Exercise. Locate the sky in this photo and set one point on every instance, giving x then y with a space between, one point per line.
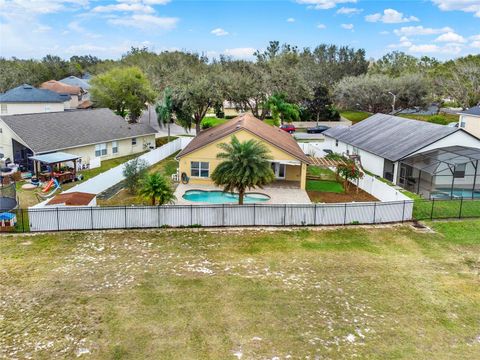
443 29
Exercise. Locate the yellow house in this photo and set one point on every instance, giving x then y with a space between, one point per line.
199 158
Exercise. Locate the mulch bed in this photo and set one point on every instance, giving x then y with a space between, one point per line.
349 196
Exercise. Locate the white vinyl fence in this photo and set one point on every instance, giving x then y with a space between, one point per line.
382 191
94 218
314 149
107 179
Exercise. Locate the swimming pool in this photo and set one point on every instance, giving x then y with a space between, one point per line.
220 197
445 193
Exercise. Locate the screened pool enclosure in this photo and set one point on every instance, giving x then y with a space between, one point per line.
444 173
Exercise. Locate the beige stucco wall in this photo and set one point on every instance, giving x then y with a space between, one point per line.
6 136
209 154
472 124
32 108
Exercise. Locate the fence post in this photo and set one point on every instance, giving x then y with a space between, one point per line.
374 211
58 221
91 215
158 217
254 214
191 215
285 215
125 218
23 222
345 215
460 210
315 214
431 211
403 211
223 214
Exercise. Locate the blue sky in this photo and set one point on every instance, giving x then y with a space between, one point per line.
107 28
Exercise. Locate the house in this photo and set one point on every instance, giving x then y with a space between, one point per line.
92 135
425 158
75 92
470 120
75 81
199 158
26 99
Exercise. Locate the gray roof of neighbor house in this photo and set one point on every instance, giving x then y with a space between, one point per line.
390 137
55 131
472 111
75 81
28 94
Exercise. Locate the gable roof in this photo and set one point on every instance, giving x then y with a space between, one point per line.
75 198
28 94
390 137
250 123
75 81
472 111
55 131
60 87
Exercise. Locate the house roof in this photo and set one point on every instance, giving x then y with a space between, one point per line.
390 137
28 94
472 111
75 81
74 198
248 122
60 87
46 132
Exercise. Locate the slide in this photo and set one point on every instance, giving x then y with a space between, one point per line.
42 197
48 186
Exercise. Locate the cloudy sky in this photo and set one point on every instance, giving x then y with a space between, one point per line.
107 28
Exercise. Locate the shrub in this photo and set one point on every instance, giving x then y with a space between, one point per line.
134 171
438 119
207 124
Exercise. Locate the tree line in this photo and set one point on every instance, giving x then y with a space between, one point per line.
282 81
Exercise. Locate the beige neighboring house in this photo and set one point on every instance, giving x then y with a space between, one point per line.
470 120
92 135
75 92
26 99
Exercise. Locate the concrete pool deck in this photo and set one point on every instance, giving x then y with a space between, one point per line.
278 195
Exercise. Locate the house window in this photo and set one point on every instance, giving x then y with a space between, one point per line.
100 150
459 172
134 141
336 142
199 169
4 110
114 147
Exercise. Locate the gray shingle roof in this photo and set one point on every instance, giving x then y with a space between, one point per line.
390 137
28 94
62 130
75 81
472 111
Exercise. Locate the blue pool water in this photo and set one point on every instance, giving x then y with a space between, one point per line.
220 197
457 193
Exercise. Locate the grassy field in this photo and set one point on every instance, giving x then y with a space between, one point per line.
324 186
355 116
384 293
218 121
448 118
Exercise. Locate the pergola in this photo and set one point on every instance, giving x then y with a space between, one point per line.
54 160
436 161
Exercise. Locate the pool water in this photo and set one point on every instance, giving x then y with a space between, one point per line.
220 197
457 193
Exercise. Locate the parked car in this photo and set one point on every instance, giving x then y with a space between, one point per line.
317 129
288 128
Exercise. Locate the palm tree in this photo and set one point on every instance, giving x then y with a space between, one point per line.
154 187
164 110
245 165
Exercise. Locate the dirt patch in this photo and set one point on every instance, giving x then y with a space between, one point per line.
348 196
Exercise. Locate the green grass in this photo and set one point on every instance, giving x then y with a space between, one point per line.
381 293
218 121
324 186
445 209
448 118
355 116
320 171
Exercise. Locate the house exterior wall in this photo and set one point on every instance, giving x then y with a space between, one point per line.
470 123
458 138
6 136
209 154
32 108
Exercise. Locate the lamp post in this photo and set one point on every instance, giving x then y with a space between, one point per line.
394 99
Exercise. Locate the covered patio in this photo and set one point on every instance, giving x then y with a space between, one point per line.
445 173
48 166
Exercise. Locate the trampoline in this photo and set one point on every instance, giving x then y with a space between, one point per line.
8 197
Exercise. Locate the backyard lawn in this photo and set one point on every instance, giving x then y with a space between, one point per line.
383 293
355 116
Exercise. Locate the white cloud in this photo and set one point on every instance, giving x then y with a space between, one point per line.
290 20
450 37
450 49
219 32
42 28
321 26
146 22
384 32
39 6
242 53
390 16
475 41
347 26
404 43
75 26
124 8
420 30
324 4
469 6
349 11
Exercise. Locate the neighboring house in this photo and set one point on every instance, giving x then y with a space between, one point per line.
199 158
84 84
429 159
75 92
470 120
26 99
90 134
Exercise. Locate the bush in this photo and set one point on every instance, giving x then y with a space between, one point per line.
207 124
438 119
134 171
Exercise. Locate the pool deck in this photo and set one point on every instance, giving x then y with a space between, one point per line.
278 195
